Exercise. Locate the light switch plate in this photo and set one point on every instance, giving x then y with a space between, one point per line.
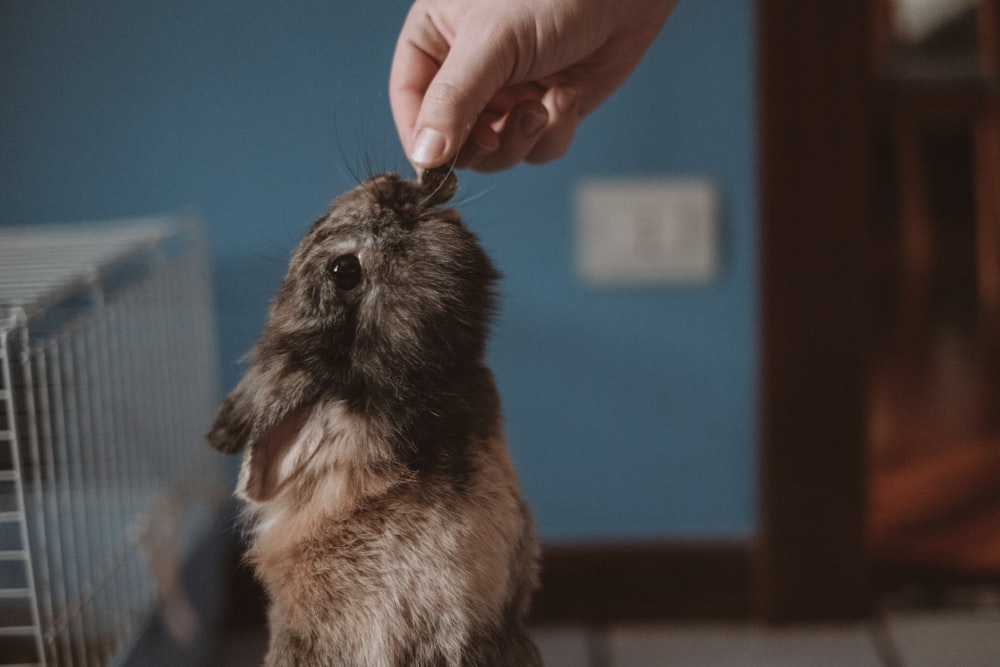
648 232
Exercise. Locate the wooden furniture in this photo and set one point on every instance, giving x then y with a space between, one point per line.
916 93
935 457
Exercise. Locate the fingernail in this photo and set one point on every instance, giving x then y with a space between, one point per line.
532 122
428 149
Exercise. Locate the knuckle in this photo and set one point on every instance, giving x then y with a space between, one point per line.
444 93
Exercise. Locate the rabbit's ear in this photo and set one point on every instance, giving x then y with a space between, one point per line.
264 397
235 421
262 417
277 456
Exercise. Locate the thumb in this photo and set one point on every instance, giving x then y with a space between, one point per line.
471 74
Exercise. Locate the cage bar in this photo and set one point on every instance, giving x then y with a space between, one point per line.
107 385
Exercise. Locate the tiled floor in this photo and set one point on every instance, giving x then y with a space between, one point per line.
968 638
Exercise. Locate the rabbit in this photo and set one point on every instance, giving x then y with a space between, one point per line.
386 522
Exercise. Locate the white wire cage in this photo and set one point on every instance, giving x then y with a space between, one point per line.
107 384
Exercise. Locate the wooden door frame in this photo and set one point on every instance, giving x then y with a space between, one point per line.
814 125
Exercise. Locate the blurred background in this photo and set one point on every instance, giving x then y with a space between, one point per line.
816 393
630 410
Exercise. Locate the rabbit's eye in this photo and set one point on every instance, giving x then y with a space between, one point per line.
346 271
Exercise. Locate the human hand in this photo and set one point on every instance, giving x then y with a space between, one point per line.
497 82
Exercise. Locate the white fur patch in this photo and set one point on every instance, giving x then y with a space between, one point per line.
326 452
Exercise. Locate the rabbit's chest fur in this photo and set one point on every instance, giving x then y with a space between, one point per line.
383 557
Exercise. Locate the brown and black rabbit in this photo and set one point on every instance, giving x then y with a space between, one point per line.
387 524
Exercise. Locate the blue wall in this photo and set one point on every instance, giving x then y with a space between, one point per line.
631 411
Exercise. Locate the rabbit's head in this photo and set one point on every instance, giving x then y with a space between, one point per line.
385 291
387 299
